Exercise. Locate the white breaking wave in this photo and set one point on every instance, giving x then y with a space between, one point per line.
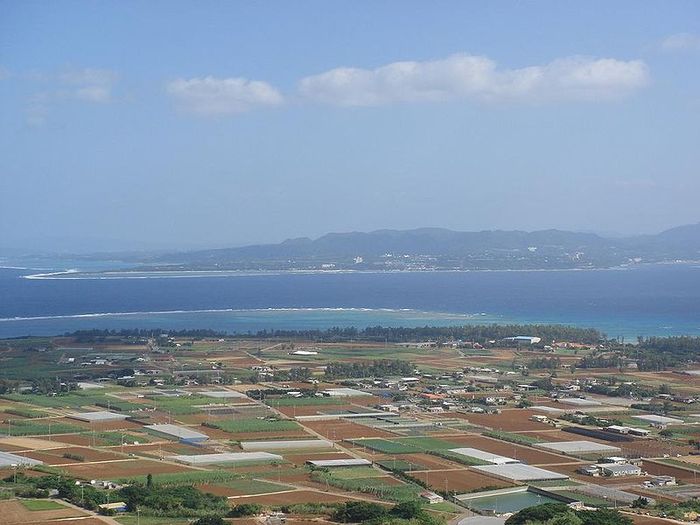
244 310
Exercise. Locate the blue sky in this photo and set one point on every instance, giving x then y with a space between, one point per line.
186 124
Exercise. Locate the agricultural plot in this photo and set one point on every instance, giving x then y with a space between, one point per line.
185 404
124 470
251 426
460 481
14 512
242 487
296 496
304 401
339 429
509 420
408 445
385 488
43 427
513 450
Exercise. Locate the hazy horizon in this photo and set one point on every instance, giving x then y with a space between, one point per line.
133 126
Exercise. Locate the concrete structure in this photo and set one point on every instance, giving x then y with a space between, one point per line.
344 392
548 410
286 445
97 417
519 472
653 419
227 457
431 497
117 506
481 455
589 470
524 339
331 463
7 460
181 433
578 447
661 481
616 470
576 401
223 394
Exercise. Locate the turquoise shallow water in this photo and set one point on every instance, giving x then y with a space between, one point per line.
652 300
509 502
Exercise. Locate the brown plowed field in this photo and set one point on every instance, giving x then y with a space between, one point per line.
509 420
459 480
658 469
123 469
75 439
339 429
55 456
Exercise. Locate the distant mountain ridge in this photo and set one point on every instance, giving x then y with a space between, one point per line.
438 248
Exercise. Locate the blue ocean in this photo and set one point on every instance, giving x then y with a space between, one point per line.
643 301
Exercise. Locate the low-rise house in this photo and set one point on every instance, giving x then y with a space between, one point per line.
431 497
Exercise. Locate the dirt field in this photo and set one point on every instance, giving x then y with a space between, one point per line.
658 469
653 449
55 456
10 444
122 469
339 429
75 439
460 480
526 454
14 513
510 420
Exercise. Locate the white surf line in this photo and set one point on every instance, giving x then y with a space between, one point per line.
442 315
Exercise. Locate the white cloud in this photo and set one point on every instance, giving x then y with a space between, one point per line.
681 42
476 77
210 96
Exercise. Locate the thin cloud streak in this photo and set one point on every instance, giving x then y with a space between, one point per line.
210 96
681 42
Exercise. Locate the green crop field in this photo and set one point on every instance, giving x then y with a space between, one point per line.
384 446
426 443
184 405
25 412
357 473
41 504
376 486
522 439
189 478
253 486
400 465
71 399
407 445
37 428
